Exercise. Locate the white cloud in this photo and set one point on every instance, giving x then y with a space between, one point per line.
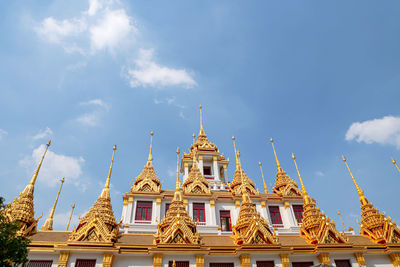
89 119
382 131
43 134
2 133
94 6
319 173
148 73
96 102
112 30
54 166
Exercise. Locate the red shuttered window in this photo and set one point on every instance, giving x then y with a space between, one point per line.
265 263
225 216
39 263
342 263
275 214
85 263
298 213
222 264
199 212
302 264
143 210
179 263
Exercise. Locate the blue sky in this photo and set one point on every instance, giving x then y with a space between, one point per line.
319 77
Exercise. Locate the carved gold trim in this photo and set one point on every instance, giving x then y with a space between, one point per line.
237 203
286 204
63 259
360 258
157 260
158 201
245 260
212 202
395 259
263 204
130 200
108 259
199 260
324 258
285 260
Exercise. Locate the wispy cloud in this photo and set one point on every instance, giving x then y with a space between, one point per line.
148 73
43 134
54 166
2 133
93 118
319 173
384 131
60 220
96 102
89 119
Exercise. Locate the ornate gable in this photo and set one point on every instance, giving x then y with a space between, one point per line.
147 181
196 183
98 224
177 227
22 208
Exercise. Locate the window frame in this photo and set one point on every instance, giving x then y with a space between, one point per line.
197 212
77 261
145 211
229 217
275 217
295 212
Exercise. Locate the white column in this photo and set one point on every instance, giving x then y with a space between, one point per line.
200 164
213 220
130 210
216 171
157 211
186 173
225 173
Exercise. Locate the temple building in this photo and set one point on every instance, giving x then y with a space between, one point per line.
210 218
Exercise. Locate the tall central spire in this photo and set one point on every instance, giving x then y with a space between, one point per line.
150 158
278 165
177 170
303 188
48 225
106 190
238 165
201 123
363 199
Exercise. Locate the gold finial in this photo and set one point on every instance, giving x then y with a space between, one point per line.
194 139
278 165
107 186
394 162
150 158
70 216
236 154
344 227
34 177
262 174
48 224
244 182
303 188
177 170
201 122
359 191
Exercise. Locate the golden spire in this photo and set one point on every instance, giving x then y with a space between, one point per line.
35 175
244 183
201 123
150 158
194 139
262 174
177 169
48 225
363 199
394 162
303 188
70 216
106 189
344 227
278 165
238 166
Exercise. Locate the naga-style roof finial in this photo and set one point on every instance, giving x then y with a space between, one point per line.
394 162
278 165
48 224
262 175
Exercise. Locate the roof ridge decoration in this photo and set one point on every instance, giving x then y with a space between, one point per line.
177 227
98 224
147 181
48 224
284 185
375 225
22 208
251 228
195 183
317 228
240 176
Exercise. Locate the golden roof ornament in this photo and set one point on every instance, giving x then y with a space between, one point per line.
22 208
395 164
202 143
177 227
262 175
317 228
239 176
284 185
195 183
375 225
147 181
70 216
251 228
48 224
98 224
341 219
